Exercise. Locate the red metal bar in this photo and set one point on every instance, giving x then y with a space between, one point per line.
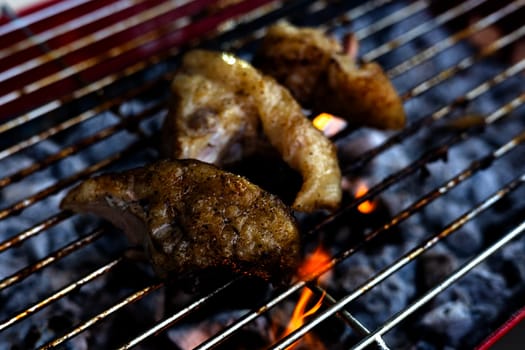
22 101
501 332
29 9
122 8
44 16
50 66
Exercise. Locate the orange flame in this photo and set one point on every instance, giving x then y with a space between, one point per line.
314 263
329 124
300 313
367 206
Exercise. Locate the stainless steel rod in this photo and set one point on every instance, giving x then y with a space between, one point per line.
392 268
472 263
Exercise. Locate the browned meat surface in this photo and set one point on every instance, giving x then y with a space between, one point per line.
192 216
321 76
223 109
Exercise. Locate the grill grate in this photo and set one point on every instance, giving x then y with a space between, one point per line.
62 75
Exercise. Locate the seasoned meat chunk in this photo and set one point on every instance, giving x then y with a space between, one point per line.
223 109
314 67
192 216
208 121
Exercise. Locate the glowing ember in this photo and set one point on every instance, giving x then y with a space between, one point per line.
329 124
367 206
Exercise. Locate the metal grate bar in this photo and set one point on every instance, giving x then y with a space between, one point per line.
84 143
104 106
410 256
411 129
465 63
438 152
345 18
492 120
82 92
455 38
162 38
504 40
159 327
392 18
60 294
250 317
247 318
43 14
475 261
102 34
33 231
421 29
425 200
347 317
17 207
33 140
129 300
65 28
358 11
94 87
230 40
180 37
220 337
51 258
419 89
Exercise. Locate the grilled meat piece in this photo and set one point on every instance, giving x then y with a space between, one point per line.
192 216
223 109
322 77
209 121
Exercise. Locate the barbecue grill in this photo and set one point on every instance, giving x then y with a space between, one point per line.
84 89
